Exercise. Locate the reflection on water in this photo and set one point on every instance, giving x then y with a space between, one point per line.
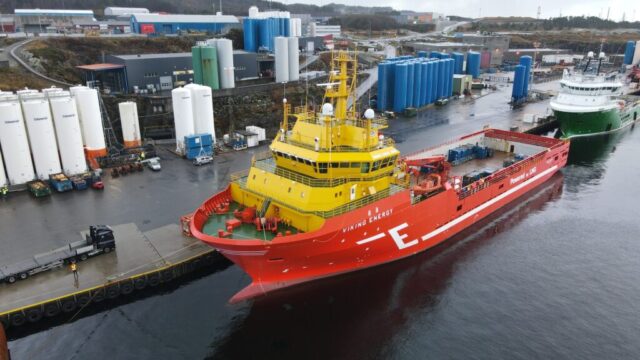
357 315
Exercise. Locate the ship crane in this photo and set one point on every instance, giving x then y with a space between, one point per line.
431 173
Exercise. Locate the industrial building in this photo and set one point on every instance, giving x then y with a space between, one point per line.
161 72
7 23
324 30
175 24
512 56
124 11
38 20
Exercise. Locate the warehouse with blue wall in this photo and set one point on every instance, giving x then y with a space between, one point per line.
173 24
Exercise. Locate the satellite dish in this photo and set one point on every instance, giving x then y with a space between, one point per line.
369 114
327 109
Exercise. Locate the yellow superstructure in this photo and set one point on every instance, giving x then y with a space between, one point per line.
325 163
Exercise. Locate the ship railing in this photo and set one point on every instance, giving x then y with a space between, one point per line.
239 175
270 166
387 142
352 119
499 176
353 205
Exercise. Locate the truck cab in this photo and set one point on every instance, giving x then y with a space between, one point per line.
102 237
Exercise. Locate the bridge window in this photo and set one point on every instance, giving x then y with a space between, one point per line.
322 168
355 165
344 165
376 165
365 167
335 165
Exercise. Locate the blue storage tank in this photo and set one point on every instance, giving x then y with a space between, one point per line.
518 82
410 84
444 55
422 54
431 81
391 76
424 96
263 33
458 59
382 86
417 84
452 64
426 78
526 62
400 87
473 64
281 27
434 55
287 27
248 26
629 51
439 78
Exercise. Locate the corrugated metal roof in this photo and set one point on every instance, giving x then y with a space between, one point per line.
99 67
52 12
161 18
152 56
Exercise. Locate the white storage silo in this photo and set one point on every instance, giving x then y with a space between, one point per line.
130 124
225 61
254 12
50 90
282 59
14 142
202 109
636 54
68 133
90 120
182 115
294 59
3 175
42 137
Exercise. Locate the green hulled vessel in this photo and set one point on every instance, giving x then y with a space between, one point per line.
591 103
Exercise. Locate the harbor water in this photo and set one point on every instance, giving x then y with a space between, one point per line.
553 275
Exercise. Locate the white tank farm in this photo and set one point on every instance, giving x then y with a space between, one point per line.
130 124
294 59
282 59
42 137
68 133
182 116
225 63
3 175
88 106
14 142
202 109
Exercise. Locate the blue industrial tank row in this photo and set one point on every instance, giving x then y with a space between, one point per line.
413 82
518 83
473 64
259 33
422 54
526 62
629 51
458 64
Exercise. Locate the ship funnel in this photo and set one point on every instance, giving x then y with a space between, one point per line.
369 114
601 55
327 109
590 54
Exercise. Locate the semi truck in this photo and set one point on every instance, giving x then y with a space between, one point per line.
99 240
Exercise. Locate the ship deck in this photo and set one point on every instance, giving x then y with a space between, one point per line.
217 222
494 163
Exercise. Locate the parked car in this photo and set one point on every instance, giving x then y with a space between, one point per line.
154 165
201 160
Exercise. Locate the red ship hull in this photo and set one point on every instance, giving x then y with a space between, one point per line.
381 232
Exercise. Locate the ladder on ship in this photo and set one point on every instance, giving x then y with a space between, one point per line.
264 207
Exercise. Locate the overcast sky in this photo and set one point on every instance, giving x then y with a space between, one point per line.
475 8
